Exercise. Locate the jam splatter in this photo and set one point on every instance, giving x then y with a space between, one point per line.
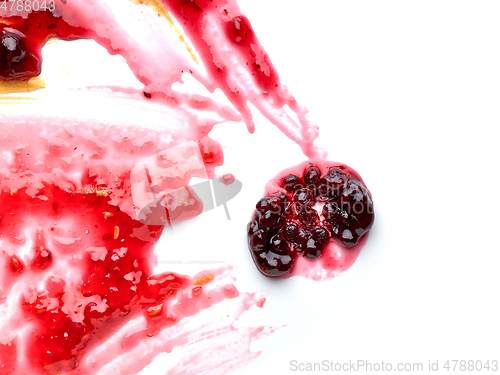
76 263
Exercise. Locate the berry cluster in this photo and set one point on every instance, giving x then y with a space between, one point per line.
286 224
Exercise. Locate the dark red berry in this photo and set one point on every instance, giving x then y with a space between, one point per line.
292 210
357 200
349 215
291 232
338 180
16 60
273 203
316 243
348 237
312 176
308 216
278 245
304 237
274 265
343 215
270 220
330 212
281 202
334 229
311 251
304 197
292 183
263 204
332 184
258 240
321 236
252 227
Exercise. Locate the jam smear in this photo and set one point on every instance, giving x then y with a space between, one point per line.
117 279
72 247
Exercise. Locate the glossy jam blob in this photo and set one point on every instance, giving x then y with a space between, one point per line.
287 225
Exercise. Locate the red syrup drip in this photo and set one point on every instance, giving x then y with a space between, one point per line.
235 31
238 31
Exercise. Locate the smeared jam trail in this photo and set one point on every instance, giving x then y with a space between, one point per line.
233 59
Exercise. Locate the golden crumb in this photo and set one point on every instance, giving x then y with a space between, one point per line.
116 232
154 310
32 84
203 280
97 190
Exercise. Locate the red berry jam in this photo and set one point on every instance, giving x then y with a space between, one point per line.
286 225
77 263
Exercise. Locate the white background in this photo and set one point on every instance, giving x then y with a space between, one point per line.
407 94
